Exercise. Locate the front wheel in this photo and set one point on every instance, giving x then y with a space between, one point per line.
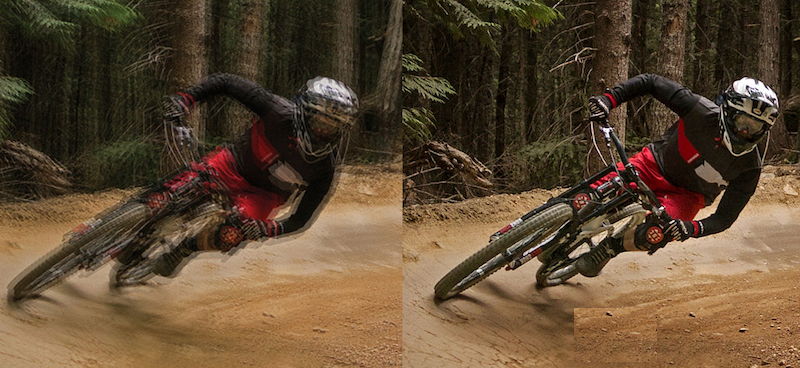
501 251
68 258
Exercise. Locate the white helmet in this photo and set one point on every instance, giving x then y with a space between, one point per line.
326 109
749 109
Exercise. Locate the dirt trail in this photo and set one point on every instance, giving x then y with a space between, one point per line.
329 297
682 307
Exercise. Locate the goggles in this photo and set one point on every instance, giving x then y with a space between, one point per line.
747 127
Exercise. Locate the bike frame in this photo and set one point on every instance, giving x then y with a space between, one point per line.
186 196
591 204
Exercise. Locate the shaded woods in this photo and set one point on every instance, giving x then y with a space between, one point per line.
83 81
521 77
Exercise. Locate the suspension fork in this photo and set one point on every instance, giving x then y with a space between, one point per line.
567 230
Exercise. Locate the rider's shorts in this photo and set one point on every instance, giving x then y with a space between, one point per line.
252 202
680 203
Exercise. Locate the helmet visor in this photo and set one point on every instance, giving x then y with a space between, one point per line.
748 128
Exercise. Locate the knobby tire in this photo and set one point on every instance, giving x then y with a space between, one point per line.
544 224
559 268
128 216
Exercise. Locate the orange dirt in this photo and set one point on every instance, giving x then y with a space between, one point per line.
682 307
329 297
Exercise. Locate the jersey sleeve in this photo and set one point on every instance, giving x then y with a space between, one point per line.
250 94
675 96
731 205
314 198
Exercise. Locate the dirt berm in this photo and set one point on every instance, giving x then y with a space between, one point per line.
329 297
726 300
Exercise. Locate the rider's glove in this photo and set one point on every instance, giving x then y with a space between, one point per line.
679 230
175 107
184 135
256 229
599 107
228 237
654 234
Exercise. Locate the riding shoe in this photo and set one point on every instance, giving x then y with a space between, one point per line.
166 264
591 263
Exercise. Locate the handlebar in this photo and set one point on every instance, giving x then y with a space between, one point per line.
630 174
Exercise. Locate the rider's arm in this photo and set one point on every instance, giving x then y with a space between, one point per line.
310 204
675 96
253 96
732 203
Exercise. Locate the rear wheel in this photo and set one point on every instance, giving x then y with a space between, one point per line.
67 258
560 265
501 251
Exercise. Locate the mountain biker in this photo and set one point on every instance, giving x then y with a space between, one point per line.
289 151
711 148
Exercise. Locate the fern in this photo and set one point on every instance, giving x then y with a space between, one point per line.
411 63
417 124
56 20
12 91
460 15
59 20
433 89
468 17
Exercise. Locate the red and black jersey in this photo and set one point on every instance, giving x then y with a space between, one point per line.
690 153
266 154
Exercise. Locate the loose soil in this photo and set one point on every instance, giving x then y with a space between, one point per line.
726 300
328 297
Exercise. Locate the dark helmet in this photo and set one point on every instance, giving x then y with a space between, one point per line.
749 109
326 109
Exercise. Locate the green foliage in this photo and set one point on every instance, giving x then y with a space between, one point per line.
545 164
52 19
418 122
411 63
482 17
121 164
60 19
433 89
12 91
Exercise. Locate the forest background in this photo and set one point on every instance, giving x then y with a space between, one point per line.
506 82
82 81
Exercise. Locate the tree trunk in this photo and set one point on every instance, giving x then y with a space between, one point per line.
612 41
188 62
670 58
345 54
502 92
531 85
640 56
768 71
768 68
786 49
703 68
389 97
246 63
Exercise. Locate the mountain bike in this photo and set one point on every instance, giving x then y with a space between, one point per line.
564 228
136 230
